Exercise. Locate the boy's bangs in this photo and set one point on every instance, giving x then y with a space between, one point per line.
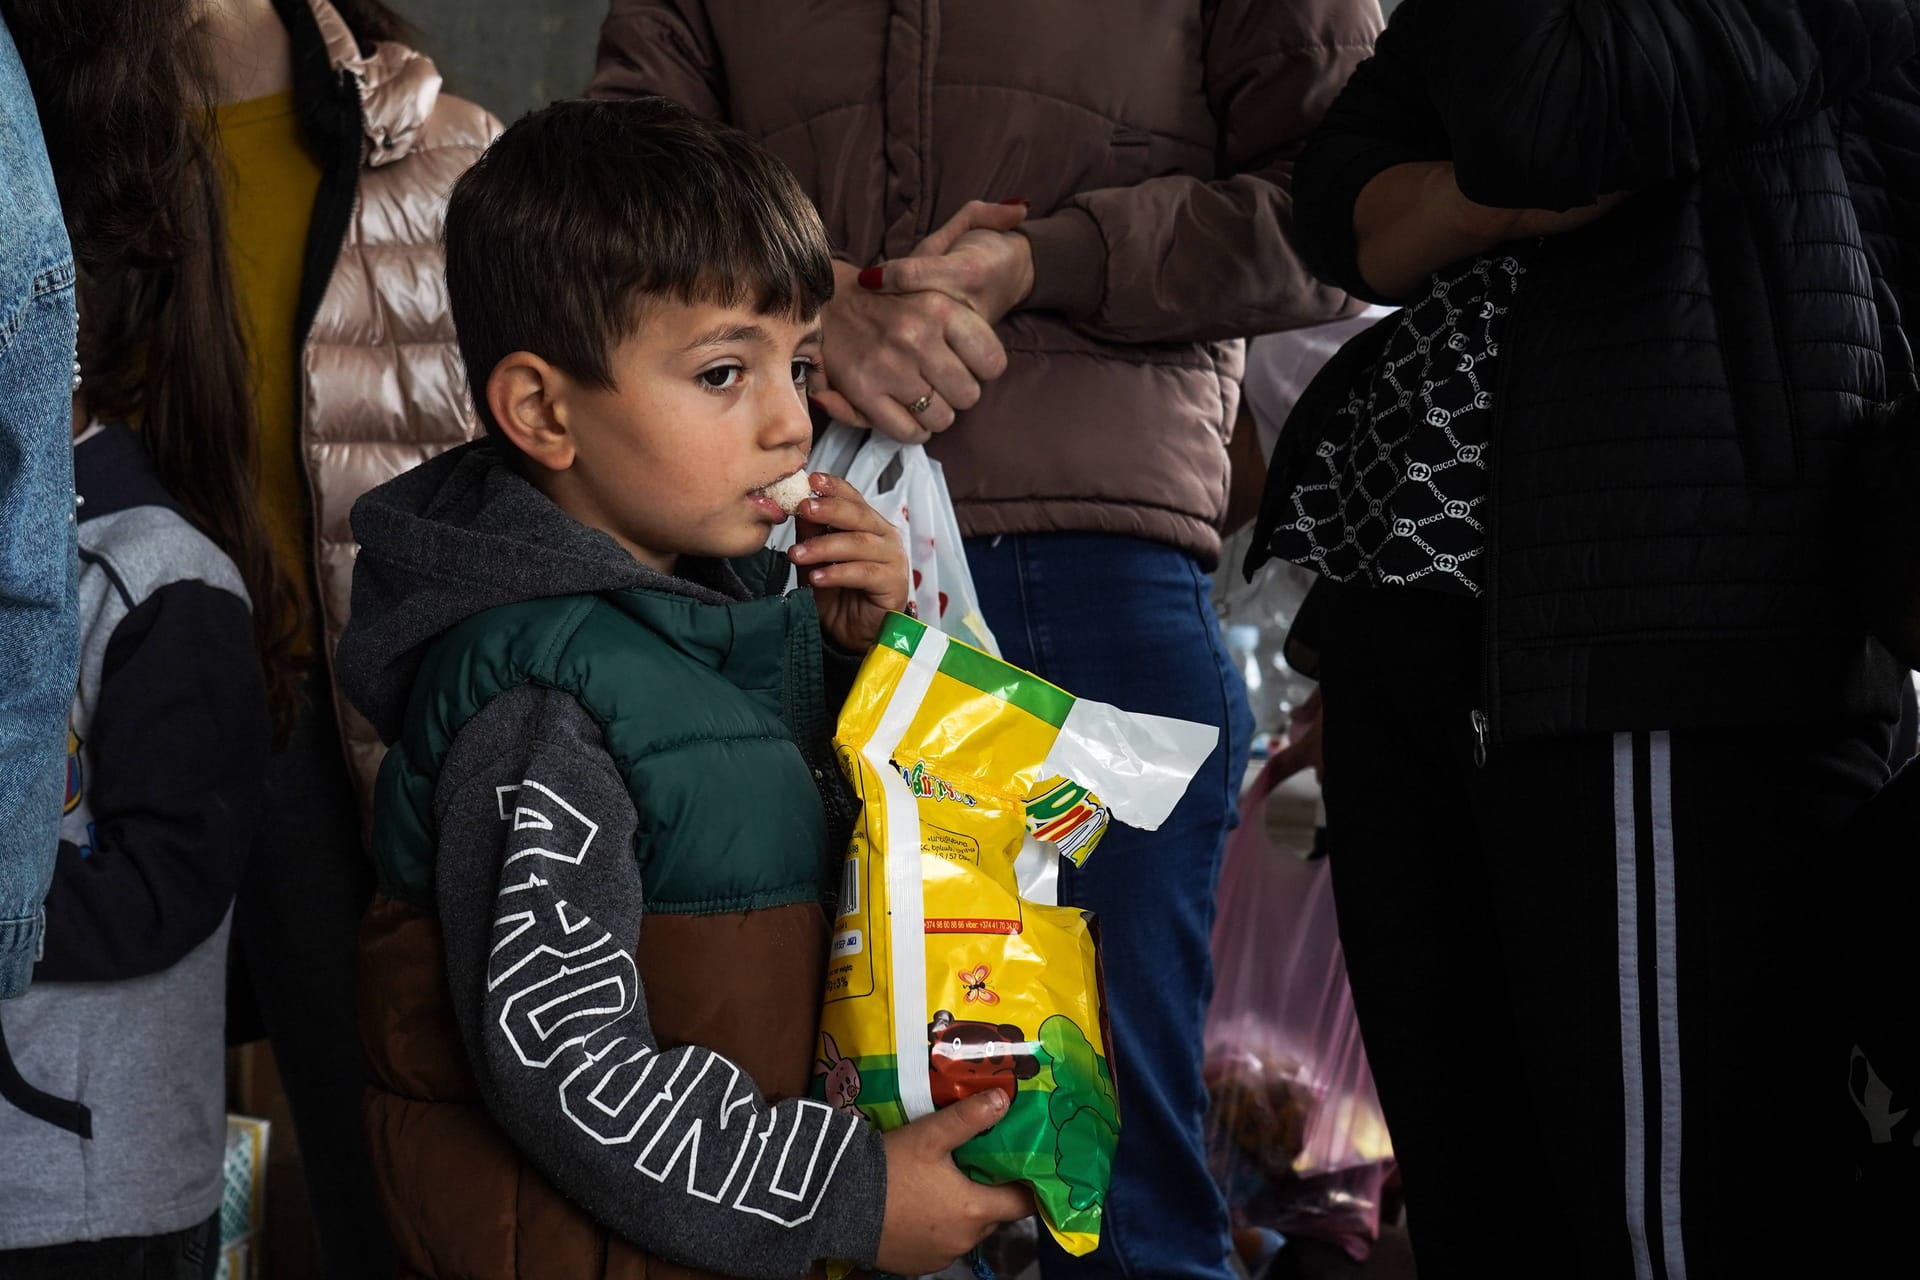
735 249
771 256
762 288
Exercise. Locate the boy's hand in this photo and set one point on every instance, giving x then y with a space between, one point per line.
852 558
935 1213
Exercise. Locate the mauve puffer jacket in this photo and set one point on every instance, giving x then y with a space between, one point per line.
1155 140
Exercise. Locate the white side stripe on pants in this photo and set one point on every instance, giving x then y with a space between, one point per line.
1627 905
1666 979
1666 1020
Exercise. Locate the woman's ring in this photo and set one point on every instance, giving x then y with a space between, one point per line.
921 405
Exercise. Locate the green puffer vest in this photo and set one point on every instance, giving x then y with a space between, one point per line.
715 716
703 707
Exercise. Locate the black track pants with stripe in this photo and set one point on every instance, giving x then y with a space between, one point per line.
1596 976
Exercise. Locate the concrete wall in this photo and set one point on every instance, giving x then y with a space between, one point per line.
513 55
509 55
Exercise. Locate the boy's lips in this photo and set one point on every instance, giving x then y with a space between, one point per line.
783 496
784 475
767 508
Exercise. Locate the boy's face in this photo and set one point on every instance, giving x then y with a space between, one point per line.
708 406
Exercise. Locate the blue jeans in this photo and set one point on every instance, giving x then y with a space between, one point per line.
1131 623
39 630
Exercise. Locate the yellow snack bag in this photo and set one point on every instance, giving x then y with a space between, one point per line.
954 970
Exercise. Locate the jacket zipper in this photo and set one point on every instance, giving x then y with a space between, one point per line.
1481 717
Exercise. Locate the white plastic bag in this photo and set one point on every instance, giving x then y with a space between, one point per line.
907 487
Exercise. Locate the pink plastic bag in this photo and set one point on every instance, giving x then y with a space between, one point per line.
1295 1135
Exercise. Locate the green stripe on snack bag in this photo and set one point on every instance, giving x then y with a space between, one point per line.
901 634
1008 683
879 1080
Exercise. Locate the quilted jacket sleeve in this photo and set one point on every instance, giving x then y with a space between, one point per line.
1551 104
663 47
538 892
1878 131
1181 259
1382 118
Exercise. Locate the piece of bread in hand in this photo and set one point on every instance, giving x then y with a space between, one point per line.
791 491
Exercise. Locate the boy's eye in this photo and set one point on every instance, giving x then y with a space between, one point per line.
802 369
722 377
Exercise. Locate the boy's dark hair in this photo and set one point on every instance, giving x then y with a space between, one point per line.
582 211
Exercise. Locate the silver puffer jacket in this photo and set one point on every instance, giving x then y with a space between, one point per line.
381 384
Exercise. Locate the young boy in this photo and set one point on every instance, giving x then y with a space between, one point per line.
166 744
607 724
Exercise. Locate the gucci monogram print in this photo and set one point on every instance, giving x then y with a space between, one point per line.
1393 494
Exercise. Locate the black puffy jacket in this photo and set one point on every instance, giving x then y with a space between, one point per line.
1684 385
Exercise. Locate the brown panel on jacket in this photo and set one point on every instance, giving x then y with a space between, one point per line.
461 1201
746 985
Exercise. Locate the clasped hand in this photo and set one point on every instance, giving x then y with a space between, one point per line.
908 343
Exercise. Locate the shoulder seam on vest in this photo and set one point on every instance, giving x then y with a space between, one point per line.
564 633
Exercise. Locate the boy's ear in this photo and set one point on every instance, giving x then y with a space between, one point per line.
524 394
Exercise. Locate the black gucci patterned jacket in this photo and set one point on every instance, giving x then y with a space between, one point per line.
1687 382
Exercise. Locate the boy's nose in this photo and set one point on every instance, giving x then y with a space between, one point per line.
787 421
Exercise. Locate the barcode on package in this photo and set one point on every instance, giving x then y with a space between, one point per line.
850 887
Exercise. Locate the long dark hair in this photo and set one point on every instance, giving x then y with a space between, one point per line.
124 104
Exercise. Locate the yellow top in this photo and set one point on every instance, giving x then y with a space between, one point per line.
271 181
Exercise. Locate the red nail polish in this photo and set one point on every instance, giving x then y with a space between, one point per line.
873 277
1017 200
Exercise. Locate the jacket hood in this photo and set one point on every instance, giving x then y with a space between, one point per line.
462 534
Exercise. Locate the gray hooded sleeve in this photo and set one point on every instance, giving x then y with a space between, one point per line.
540 900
